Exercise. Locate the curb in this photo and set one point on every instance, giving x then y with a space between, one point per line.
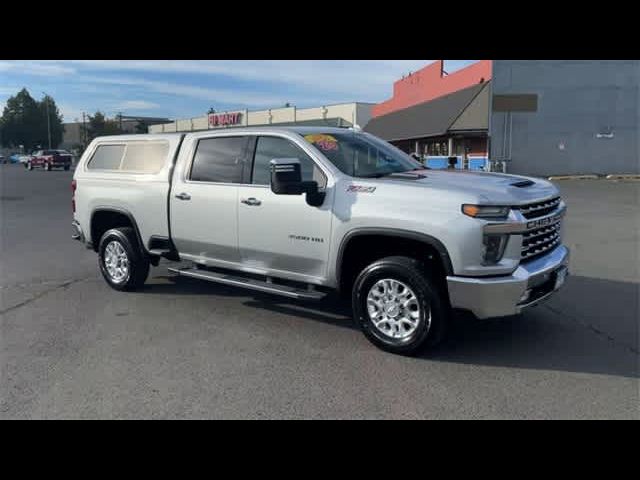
573 177
623 177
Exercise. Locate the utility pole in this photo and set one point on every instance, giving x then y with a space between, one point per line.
46 99
84 132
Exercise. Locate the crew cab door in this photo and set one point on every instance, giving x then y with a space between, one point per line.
204 200
281 234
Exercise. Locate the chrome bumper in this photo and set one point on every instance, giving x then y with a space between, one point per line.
507 295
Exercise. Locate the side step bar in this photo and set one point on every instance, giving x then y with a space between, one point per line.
250 283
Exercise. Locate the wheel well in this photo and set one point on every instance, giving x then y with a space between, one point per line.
104 220
362 250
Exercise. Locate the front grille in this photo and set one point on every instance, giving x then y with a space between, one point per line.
539 209
539 241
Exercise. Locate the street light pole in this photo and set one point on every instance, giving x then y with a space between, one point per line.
46 98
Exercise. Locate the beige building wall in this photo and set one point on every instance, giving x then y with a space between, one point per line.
353 113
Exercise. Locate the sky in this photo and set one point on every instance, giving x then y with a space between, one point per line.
189 88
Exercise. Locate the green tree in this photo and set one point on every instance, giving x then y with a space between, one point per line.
99 126
24 122
20 121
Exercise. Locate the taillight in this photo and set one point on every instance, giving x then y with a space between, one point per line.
73 195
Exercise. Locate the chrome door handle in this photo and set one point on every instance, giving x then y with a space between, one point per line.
252 202
183 196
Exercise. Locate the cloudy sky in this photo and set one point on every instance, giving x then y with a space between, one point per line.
186 88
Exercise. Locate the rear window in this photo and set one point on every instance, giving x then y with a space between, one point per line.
135 157
106 157
145 157
219 160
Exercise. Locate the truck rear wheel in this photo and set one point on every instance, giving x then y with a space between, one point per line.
122 264
398 306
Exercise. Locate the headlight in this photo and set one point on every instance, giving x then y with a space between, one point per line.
485 211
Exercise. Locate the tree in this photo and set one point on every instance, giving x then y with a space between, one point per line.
24 122
99 126
20 121
47 106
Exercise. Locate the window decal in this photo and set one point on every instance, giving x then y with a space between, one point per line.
322 141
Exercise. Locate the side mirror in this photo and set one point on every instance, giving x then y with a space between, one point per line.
286 176
286 179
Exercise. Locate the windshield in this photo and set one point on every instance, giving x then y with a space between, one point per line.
361 154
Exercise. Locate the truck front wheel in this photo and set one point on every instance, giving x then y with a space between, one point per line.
398 306
122 264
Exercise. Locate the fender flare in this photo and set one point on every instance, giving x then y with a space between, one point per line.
393 232
126 213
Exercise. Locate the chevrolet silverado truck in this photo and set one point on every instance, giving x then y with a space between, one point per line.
49 159
304 211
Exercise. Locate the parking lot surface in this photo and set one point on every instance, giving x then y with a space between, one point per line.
70 347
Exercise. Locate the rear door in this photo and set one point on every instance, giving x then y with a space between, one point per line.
204 200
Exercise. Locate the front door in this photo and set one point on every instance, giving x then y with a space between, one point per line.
282 234
204 202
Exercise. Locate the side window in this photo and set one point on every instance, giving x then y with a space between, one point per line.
219 160
145 157
106 157
268 148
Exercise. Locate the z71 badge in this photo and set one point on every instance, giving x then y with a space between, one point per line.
360 189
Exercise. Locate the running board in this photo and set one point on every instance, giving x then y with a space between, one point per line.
160 252
252 284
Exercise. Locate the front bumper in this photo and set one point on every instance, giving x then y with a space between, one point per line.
505 295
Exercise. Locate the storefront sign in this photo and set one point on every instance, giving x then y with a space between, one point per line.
222 119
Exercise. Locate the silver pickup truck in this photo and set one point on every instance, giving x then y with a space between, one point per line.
301 212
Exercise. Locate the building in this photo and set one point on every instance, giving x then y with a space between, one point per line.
74 132
434 113
566 116
345 114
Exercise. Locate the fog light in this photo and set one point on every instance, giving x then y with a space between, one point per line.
494 248
525 296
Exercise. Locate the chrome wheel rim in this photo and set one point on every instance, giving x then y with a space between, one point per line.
116 261
394 309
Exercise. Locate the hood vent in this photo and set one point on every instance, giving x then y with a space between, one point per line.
522 184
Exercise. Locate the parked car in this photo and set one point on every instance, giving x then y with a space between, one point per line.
301 212
15 158
24 159
49 159
3 159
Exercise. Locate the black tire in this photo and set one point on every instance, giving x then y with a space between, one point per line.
47 167
29 166
429 296
66 168
138 263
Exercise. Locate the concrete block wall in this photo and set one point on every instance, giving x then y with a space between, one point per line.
588 118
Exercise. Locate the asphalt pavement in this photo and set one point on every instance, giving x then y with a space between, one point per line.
71 347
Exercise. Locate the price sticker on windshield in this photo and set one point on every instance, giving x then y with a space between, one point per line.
322 141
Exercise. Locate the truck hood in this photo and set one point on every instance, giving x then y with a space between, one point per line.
490 188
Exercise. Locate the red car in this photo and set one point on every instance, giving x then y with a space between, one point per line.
49 159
